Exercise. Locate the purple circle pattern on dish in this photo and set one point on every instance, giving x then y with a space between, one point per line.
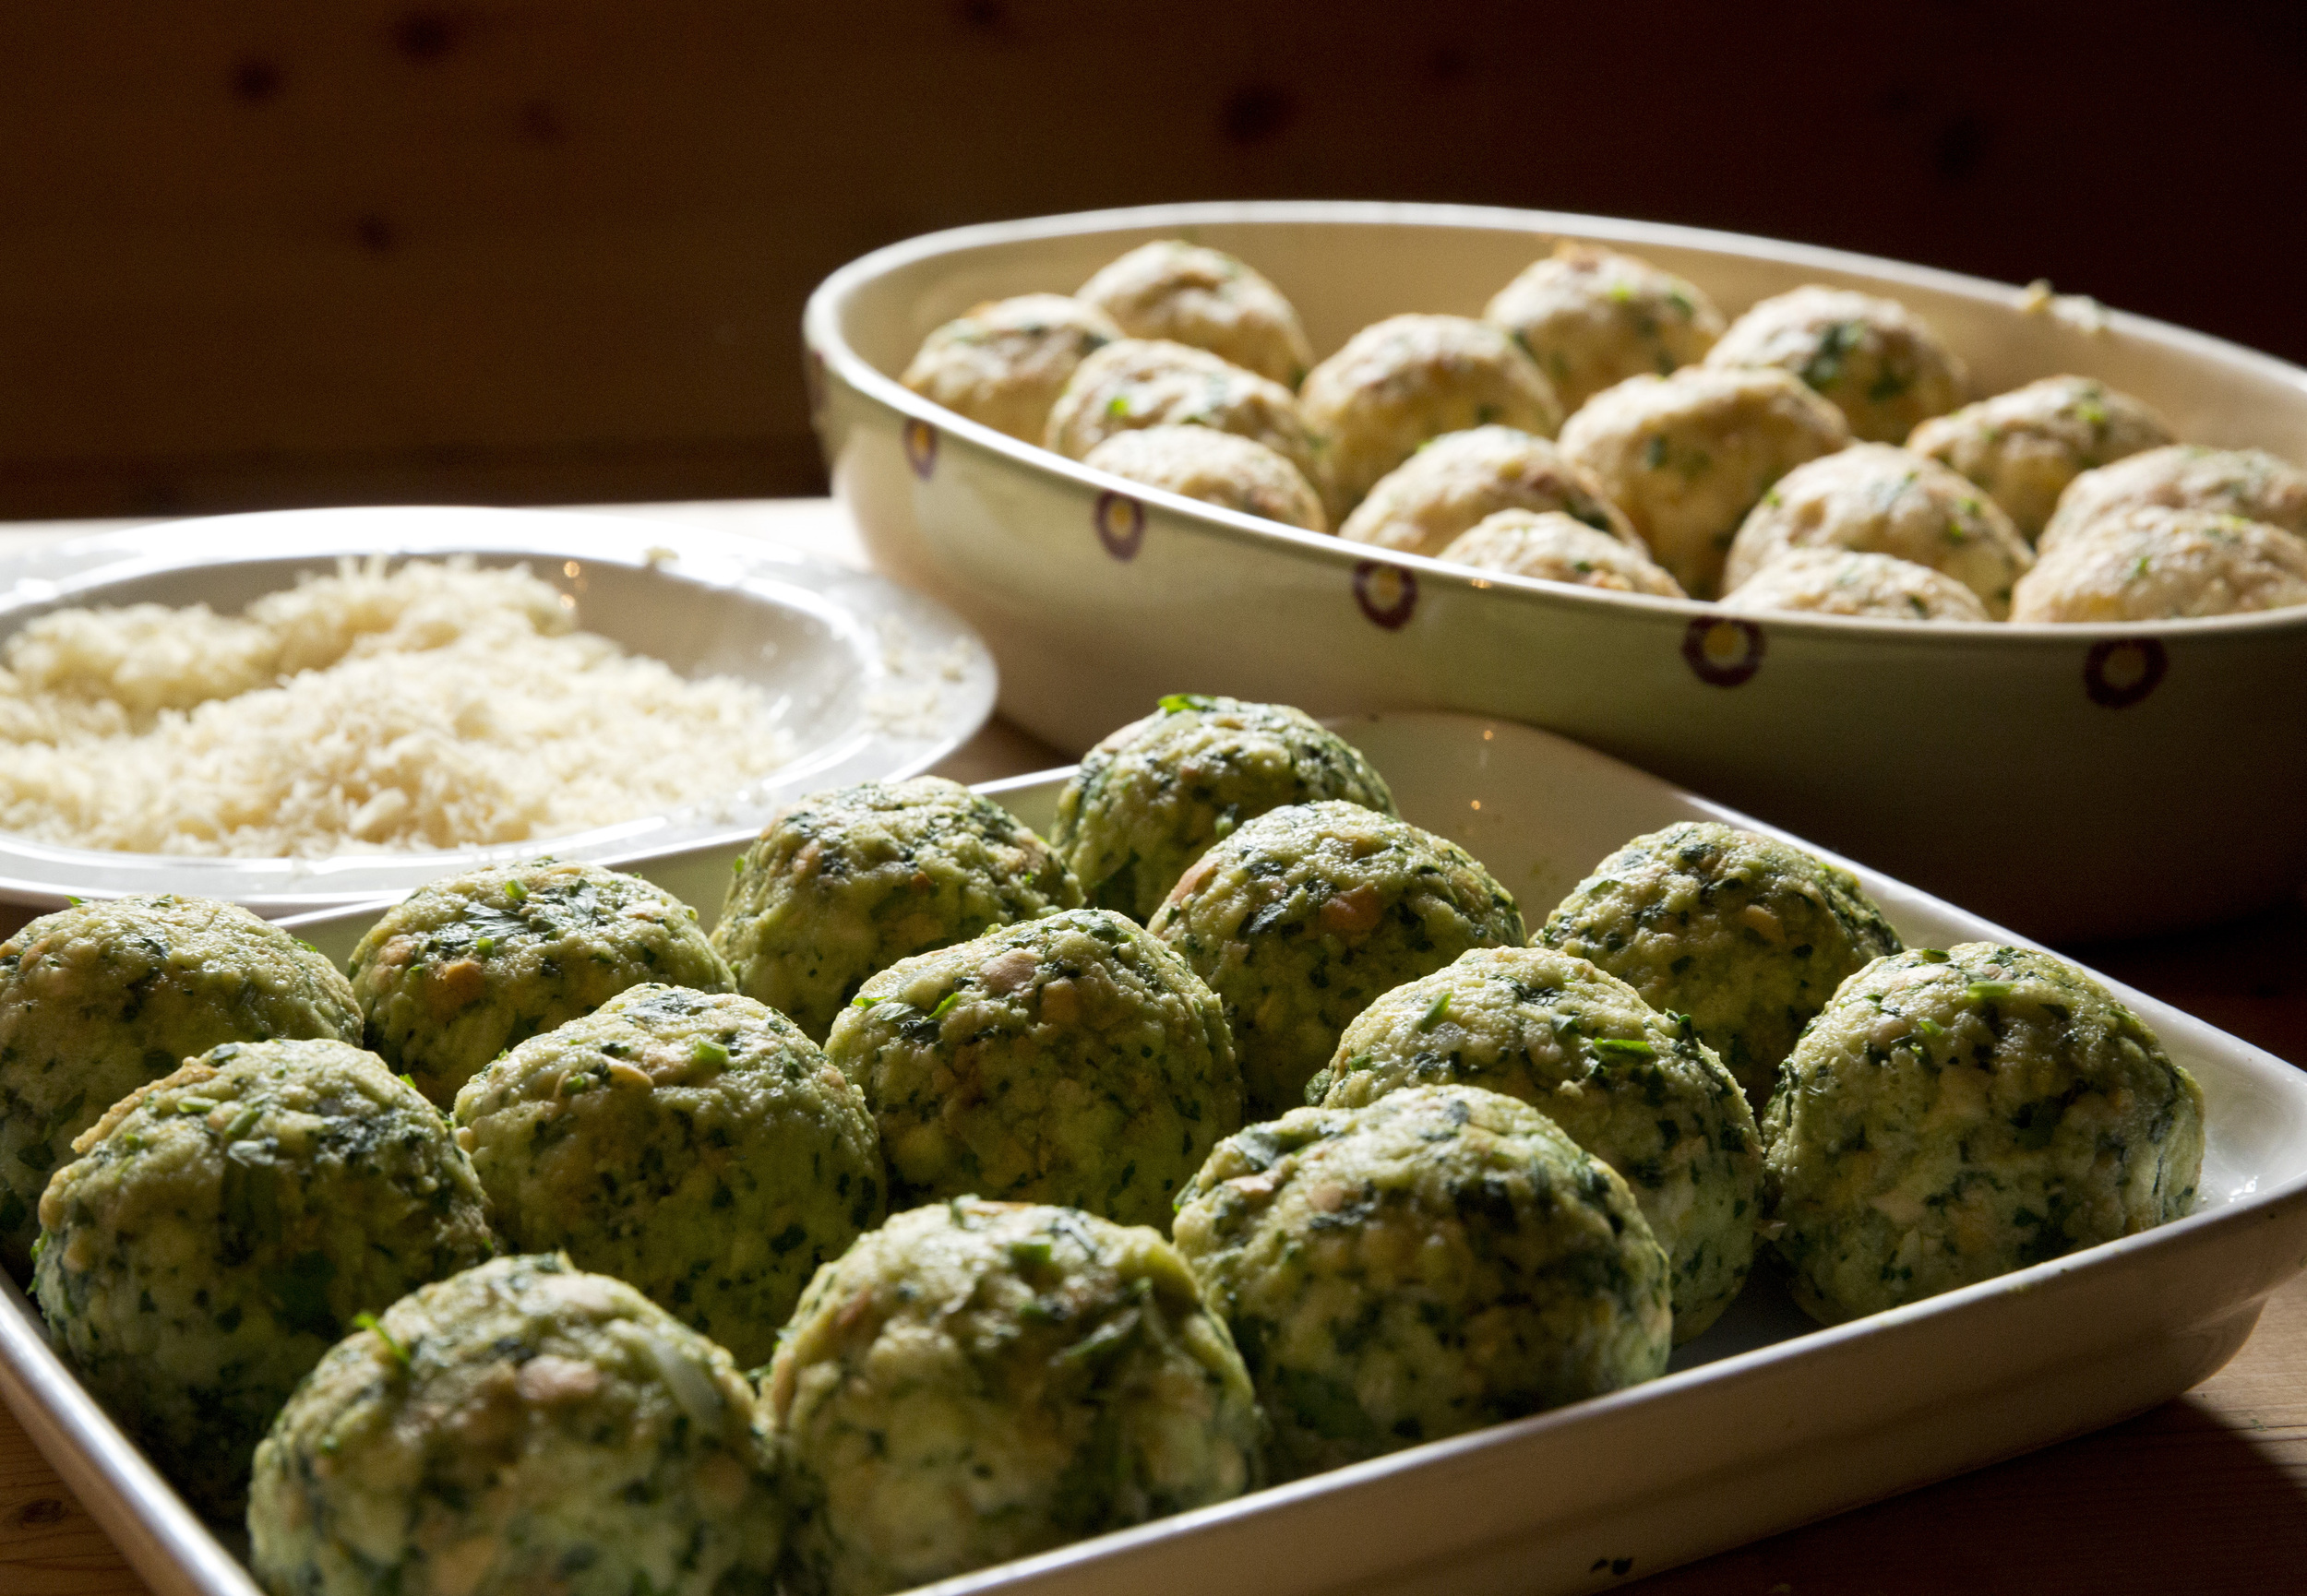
921 448
1386 593
2119 672
1121 522
1722 650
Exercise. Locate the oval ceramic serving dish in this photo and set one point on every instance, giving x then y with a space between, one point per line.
2073 780
1763 1421
868 680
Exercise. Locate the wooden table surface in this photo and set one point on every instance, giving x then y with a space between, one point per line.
2207 1492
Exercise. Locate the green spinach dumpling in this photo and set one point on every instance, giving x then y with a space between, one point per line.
695 1145
98 999
1151 798
1746 935
1637 1091
225 1225
980 1381
522 1428
1441 1259
460 969
1954 1116
1305 916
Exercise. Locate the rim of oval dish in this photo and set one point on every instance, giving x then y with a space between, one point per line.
935 675
822 334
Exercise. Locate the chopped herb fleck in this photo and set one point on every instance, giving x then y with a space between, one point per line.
1824 368
370 1323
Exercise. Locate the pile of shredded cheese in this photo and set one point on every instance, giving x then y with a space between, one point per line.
432 705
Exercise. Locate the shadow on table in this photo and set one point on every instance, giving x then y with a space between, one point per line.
2168 1503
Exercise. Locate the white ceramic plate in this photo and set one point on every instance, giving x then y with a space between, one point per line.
2074 780
868 680
1765 1422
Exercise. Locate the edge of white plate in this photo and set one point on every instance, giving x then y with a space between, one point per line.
854 603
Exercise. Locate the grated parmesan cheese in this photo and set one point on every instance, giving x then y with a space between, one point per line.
433 706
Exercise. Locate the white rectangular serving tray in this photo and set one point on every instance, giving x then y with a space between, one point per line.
1763 1422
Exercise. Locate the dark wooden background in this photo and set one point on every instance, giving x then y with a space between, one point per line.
275 253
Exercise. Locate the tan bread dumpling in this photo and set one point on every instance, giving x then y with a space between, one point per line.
1206 298
2247 483
1591 317
1885 501
1005 363
1687 455
2153 564
1143 383
1852 582
1412 377
2023 448
1217 468
1456 480
1555 548
1881 364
